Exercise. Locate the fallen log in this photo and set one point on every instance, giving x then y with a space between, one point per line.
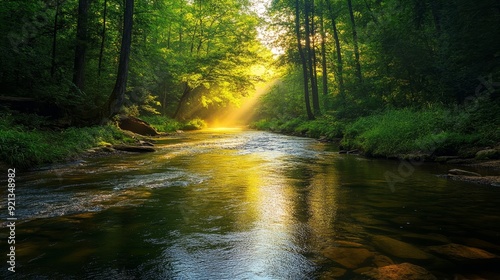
134 149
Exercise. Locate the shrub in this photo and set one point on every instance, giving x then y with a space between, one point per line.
23 147
162 123
194 124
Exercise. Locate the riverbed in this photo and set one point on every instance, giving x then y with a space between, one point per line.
242 204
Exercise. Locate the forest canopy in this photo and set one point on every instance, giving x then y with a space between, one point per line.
192 58
187 57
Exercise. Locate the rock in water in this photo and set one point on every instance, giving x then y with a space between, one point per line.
460 252
405 271
399 249
348 257
461 172
136 125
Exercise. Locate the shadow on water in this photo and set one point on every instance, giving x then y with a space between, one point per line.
238 204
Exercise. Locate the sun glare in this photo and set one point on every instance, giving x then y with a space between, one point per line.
243 115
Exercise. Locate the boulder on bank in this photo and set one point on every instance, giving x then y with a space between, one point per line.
488 154
136 125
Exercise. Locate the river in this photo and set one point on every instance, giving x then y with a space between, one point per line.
242 204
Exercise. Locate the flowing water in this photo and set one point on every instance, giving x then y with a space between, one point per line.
240 204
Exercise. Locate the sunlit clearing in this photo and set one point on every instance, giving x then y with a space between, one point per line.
223 129
243 115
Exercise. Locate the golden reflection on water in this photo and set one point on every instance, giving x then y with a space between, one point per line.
254 197
323 205
238 205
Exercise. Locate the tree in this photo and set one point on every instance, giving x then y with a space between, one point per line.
324 69
311 53
339 73
81 44
103 36
355 41
117 97
303 60
54 39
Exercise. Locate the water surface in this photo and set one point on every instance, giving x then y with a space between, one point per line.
239 204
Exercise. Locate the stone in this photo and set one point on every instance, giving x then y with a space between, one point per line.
323 139
405 271
445 158
488 154
399 249
134 149
460 252
348 257
342 243
461 172
460 161
381 260
334 273
426 239
136 125
146 143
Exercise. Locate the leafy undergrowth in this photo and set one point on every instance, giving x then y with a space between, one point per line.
165 124
25 145
321 127
395 132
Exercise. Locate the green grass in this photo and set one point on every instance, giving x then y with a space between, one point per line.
322 127
165 124
399 132
433 131
23 146
162 124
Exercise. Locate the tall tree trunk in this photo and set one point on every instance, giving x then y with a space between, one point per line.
182 101
355 42
310 58
310 115
103 36
54 41
116 98
323 55
169 35
182 20
81 44
316 108
340 67
436 14
374 18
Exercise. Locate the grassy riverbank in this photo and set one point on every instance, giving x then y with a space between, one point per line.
26 140
30 140
165 124
429 132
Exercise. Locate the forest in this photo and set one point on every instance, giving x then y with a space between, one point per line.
387 77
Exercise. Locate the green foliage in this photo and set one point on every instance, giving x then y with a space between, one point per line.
321 127
285 99
162 123
264 124
23 147
166 124
194 124
432 131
